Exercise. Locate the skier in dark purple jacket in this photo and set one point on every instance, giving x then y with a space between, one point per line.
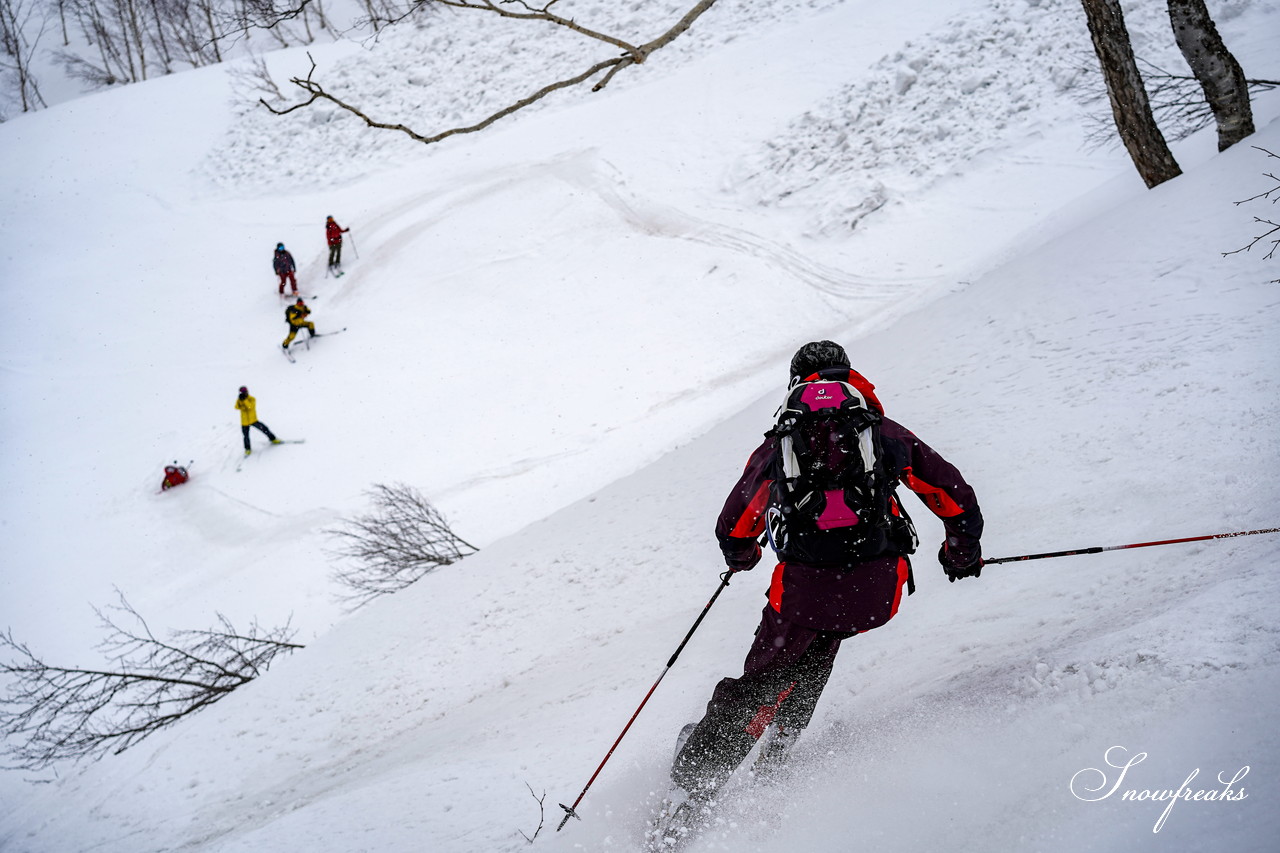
284 266
813 606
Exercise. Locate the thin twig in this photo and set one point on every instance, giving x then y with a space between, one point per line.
542 813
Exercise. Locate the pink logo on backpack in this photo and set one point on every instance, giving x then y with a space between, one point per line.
823 395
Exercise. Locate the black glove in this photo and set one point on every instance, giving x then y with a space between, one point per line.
960 562
743 560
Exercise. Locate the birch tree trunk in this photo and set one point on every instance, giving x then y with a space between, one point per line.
1134 122
1219 74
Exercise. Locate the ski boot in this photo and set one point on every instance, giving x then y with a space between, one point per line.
775 747
680 818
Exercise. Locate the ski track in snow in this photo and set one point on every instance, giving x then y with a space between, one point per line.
407 218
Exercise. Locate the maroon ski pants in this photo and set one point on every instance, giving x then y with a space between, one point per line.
785 672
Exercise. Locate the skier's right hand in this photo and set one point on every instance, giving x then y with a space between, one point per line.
959 561
744 560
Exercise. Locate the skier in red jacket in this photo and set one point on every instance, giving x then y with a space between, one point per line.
333 235
816 599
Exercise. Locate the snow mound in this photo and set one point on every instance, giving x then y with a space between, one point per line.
982 81
446 69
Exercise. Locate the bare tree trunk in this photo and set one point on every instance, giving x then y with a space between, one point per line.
106 50
324 22
1129 105
15 44
139 37
1219 73
127 60
97 31
161 39
213 32
62 18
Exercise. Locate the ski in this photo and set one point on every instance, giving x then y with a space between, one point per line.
240 464
288 355
680 816
680 819
683 817
306 342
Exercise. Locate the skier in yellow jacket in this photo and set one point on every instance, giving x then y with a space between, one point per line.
248 407
296 316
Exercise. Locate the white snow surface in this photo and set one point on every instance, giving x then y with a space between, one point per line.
569 331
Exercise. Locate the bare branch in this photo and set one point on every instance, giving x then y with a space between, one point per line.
259 15
318 93
541 14
256 78
1267 194
542 814
402 539
632 55
1177 102
1275 227
53 713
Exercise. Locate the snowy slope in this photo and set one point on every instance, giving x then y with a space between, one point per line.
1109 378
418 722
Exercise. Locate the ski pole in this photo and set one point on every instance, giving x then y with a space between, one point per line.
569 810
354 250
1099 550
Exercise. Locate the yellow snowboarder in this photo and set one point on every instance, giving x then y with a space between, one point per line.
248 407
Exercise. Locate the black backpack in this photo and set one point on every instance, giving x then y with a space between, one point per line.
832 498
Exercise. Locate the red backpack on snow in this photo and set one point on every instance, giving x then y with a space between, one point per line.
174 475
